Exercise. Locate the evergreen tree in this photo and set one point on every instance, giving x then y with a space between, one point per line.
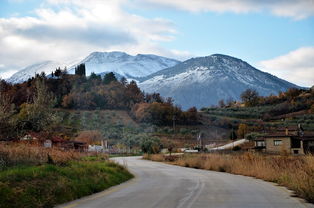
94 76
80 70
233 135
123 81
58 72
109 77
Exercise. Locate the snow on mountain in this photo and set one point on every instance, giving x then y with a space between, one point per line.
196 82
124 64
204 81
31 71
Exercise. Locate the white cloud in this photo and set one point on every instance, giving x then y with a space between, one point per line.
296 66
297 9
64 30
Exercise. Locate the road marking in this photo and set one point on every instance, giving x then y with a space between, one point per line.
192 196
102 194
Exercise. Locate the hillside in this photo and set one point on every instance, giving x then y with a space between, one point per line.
203 81
289 108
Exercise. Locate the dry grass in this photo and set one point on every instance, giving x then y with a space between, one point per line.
294 172
24 154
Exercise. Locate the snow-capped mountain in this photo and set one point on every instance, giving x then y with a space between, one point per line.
32 70
196 82
203 81
124 64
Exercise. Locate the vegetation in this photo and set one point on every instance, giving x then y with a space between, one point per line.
31 106
296 173
33 176
256 114
48 185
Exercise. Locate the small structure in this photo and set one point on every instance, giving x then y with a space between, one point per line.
43 139
103 147
292 140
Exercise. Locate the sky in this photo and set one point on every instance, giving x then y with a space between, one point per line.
275 36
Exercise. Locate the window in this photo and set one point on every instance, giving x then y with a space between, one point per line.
277 142
295 152
260 143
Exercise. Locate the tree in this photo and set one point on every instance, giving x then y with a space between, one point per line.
221 103
133 93
94 76
150 145
38 115
233 135
109 77
292 93
154 97
123 81
6 122
58 72
242 130
80 70
250 97
170 146
230 102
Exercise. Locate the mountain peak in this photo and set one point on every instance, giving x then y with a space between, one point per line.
124 64
203 81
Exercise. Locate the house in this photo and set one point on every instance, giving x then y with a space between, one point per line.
292 140
48 141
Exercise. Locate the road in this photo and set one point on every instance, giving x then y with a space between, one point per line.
159 185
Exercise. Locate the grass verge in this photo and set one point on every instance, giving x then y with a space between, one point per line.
293 172
47 185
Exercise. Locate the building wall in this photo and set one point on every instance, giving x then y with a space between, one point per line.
284 147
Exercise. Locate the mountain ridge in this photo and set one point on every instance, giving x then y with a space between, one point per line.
203 81
124 64
199 81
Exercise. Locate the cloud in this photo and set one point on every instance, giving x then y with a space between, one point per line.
64 30
296 66
297 9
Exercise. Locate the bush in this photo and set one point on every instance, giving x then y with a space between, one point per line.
151 145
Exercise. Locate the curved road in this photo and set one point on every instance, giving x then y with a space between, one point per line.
159 185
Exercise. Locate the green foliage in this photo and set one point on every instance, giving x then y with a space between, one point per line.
48 185
80 70
109 77
151 145
93 76
38 116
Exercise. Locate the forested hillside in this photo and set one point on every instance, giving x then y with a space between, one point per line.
37 104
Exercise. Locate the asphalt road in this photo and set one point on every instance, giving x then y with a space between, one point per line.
167 186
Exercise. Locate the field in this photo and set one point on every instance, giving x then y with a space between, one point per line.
295 173
35 177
